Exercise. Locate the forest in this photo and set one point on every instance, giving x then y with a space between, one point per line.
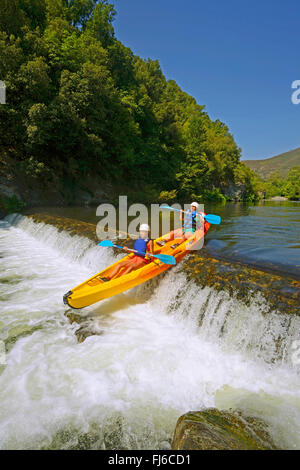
83 108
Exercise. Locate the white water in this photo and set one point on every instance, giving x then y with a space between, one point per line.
166 347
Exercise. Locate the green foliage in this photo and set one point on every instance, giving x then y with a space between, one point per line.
274 185
213 195
11 204
289 187
100 23
15 14
168 196
81 104
34 169
251 183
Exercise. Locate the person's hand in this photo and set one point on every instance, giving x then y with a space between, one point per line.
126 249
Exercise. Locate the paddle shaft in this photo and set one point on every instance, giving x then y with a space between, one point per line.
210 218
130 249
163 258
180 210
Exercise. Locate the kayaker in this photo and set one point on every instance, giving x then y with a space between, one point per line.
143 244
190 220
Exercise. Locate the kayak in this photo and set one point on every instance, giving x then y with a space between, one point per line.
94 289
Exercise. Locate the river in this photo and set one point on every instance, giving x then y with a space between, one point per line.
153 359
266 234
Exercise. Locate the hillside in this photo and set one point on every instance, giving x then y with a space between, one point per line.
283 163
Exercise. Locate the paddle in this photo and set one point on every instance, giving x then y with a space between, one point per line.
210 218
167 259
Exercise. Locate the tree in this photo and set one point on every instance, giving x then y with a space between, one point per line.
100 23
291 185
15 14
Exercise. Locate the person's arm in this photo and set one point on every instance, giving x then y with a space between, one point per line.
149 249
200 220
151 246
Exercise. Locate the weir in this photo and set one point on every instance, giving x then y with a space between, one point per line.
162 349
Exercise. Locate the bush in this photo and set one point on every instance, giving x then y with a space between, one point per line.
168 196
35 169
11 204
213 195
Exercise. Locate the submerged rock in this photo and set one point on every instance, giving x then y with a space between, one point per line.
87 327
213 429
85 331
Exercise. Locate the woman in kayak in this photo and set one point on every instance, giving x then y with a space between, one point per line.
143 244
190 223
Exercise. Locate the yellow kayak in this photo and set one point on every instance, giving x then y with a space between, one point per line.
94 289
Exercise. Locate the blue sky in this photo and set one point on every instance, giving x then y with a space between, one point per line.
237 57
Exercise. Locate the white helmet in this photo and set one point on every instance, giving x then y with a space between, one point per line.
144 228
195 204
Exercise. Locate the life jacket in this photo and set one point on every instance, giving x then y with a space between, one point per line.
190 221
141 244
206 224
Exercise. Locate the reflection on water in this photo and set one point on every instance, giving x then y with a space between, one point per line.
266 234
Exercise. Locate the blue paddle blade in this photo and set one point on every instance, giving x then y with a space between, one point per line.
213 219
167 259
106 243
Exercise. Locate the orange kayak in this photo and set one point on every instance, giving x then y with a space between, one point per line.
94 289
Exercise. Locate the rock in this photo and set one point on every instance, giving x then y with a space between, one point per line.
213 429
279 198
83 197
87 326
8 190
87 330
10 199
235 192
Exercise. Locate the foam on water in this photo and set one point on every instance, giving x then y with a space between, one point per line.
166 347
